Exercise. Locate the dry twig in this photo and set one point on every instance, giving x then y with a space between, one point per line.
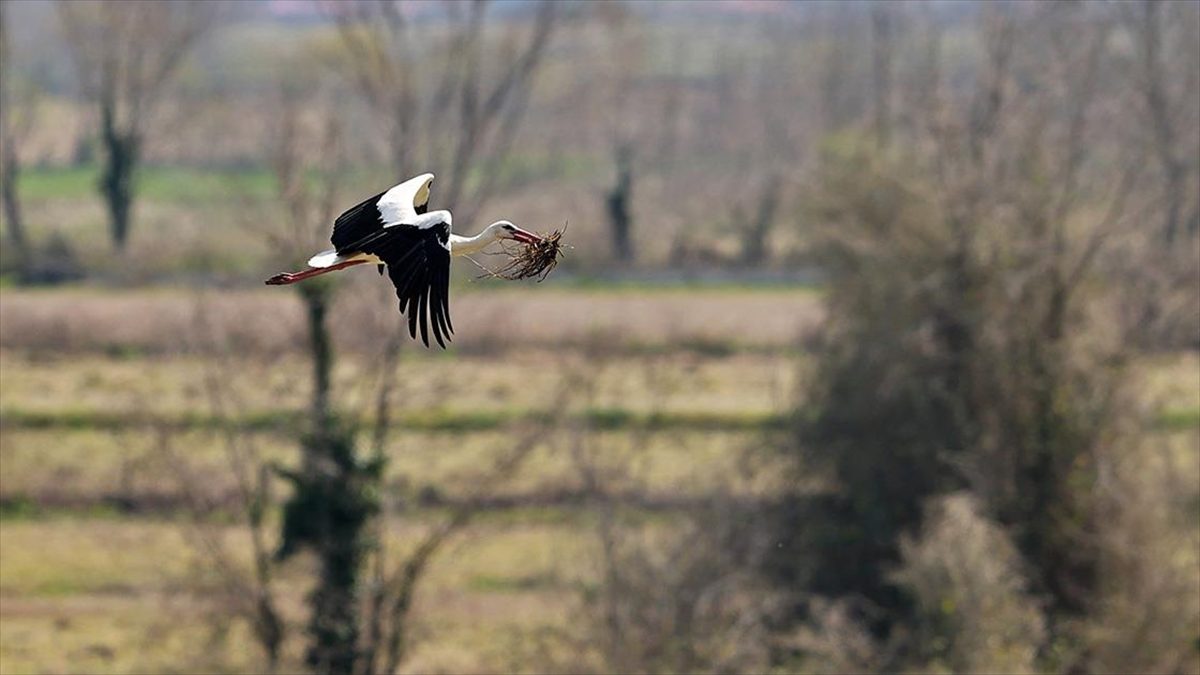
530 260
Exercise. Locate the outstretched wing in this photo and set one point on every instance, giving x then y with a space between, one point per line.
367 219
418 262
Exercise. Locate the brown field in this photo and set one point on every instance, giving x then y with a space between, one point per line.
269 321
101 575
104 391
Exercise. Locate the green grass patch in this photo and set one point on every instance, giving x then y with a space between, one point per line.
1178 419
441 421
153 183
18 507
642 286
455 421
488 583
79 419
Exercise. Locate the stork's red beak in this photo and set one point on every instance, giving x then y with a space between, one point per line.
523 236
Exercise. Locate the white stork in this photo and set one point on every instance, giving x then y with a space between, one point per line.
395 229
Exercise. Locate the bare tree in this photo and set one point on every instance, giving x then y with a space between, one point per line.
388 620
1161 103
333 499
618 94
125 54
838 65
16 119
883 17
249 593
962 351
760 145
454 107
360 609
618 205
756 228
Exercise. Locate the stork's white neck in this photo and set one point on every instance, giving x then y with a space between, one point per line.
467 245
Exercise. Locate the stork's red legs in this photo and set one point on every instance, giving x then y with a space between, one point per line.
293 277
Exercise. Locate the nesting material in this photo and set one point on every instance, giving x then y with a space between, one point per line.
527 261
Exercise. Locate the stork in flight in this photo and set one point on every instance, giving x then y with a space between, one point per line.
395 229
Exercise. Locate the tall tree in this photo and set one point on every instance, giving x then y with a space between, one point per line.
453 107
16 101
334 488
1164 94
618 205
882 57
125 54
961 272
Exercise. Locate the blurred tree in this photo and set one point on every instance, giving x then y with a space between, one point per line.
335 491
840 64
616 95
618 203
125 54
962 351
757 228
447 100
973 611
883 16
1165 97
245 591
359 610
760 140
16 117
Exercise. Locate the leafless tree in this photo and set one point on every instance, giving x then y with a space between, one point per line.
680 599
761 146
838 65
387 639
125 54
883 17
365 598
310 207
1163 101
618 205
618 88
445 97
969 269
17 100
248 592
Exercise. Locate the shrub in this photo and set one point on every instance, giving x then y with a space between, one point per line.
973 614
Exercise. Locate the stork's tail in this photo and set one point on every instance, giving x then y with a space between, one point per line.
325 259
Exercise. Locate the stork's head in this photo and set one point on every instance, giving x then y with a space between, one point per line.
503 229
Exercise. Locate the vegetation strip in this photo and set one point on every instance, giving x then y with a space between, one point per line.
604 419
451 421
545 504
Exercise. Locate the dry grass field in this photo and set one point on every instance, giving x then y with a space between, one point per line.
103 391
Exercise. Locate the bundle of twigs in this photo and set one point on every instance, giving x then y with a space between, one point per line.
530 260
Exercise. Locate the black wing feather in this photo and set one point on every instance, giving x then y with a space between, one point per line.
418 263
361 223
358 223
444 305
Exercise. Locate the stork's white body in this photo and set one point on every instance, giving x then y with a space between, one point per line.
458 245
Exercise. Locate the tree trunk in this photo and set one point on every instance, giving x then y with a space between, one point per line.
12 206
754 237
122 152
316 308
1174 172
1159 106
881 53
618 201
333 501
9 164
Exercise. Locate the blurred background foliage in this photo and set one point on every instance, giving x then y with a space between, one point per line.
875 348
